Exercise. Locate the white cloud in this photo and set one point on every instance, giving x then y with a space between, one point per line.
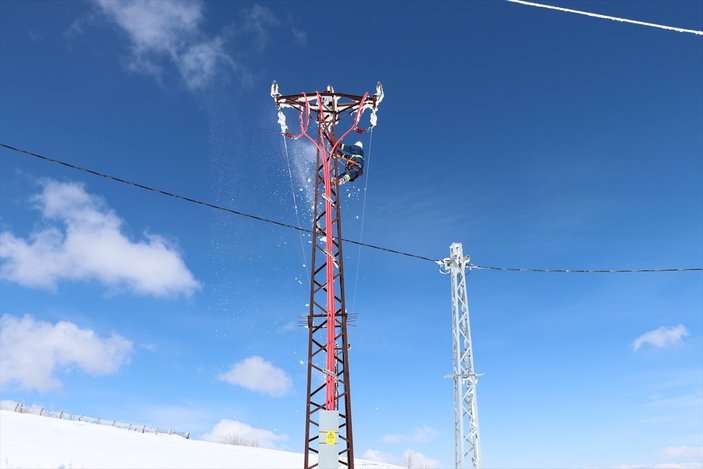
155 25
171 32
232 431
199 63
35 35
33 351
378 456
416 460
676 465
256 374
258 20
391 438
421 434
91 245
300 36
662 337
424 434
683 452
168 31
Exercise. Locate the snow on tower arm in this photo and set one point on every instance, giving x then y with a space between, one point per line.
378 97
281 117
274 90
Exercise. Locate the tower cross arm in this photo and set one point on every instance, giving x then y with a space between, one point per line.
346 101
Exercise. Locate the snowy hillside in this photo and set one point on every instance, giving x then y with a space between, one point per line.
43 442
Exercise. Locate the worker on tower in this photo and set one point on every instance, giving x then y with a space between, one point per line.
354 156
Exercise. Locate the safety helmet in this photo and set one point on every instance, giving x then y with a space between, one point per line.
359 144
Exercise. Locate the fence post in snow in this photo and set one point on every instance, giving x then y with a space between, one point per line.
22 409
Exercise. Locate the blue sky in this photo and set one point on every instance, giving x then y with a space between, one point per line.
536 138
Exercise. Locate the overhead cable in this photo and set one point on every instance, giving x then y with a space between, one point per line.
606 17
199 202
588 271
305 230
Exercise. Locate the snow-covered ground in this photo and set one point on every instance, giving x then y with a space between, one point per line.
32 441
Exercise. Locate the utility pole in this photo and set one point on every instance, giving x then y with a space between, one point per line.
466 435
328 416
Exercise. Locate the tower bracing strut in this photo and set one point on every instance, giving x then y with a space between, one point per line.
466 435
328 418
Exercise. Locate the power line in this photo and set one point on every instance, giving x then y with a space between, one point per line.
200 202
606 17
588 271
304 230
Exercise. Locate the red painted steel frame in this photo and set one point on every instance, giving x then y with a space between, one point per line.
327 162
332 316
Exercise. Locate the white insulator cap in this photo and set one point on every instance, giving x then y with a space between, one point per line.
379 93
373 119
274 89
282 122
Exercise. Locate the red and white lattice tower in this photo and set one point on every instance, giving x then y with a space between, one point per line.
328 418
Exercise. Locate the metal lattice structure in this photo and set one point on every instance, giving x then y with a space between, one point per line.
328 417
466 435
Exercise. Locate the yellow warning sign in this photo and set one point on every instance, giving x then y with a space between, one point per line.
331 438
